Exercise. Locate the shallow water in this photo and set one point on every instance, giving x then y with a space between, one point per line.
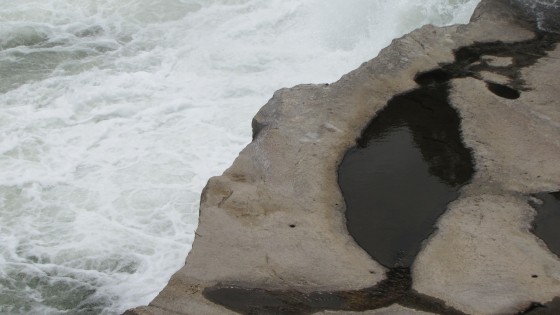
397 181
114 113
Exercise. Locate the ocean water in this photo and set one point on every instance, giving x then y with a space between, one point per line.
114 114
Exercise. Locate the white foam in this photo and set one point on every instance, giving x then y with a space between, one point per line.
114 114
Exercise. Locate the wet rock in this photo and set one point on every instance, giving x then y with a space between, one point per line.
483 258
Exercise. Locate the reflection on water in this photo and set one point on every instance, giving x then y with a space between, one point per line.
408 165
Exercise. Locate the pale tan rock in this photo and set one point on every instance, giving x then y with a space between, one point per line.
494 77
483 258
516 143
542 101
495 61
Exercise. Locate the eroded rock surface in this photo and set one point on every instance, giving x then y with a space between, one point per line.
272 228
484 258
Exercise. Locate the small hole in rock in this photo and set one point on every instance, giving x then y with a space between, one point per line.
292 225
534 276
503 91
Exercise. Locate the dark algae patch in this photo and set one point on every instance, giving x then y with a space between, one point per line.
397 181
546 224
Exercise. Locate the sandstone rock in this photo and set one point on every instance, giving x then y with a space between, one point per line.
275 219
484 259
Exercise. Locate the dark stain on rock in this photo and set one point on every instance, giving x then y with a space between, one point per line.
470 62
533 306
439 75
551 308
546 222
394 289
408 165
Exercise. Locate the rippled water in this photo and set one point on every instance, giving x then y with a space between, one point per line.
114 113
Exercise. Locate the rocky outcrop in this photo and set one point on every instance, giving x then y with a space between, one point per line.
272 235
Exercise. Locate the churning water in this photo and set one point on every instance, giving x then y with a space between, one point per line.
114 113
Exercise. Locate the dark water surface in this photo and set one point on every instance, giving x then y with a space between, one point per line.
408 165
